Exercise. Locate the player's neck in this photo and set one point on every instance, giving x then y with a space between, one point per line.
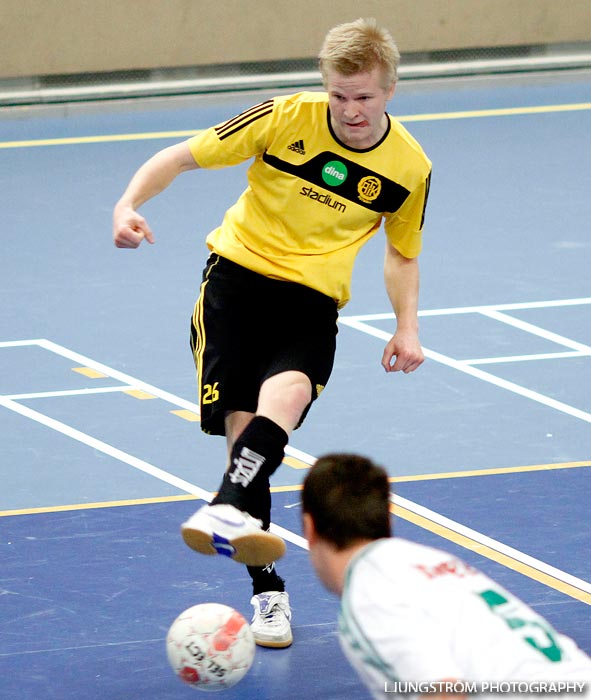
341 561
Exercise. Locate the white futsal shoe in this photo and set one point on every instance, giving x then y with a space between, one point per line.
223 529
271 623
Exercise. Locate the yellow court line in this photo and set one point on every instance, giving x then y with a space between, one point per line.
294 488
438 116
500 112
297 487
299 464
185 414
490 553
398 511
116 504
139 394
98 504
295 463
286 489
89 372
107 138
487 472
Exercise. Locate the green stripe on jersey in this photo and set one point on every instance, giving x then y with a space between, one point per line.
354 633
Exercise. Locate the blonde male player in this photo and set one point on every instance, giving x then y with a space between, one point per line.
416 620
328 168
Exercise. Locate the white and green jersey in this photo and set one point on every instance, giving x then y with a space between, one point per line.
412 614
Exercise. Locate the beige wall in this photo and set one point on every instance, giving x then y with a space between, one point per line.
74 36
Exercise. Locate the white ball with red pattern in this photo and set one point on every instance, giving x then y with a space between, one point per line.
210 646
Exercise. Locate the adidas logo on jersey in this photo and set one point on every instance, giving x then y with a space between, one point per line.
298 147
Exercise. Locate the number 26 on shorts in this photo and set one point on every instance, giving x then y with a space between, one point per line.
210 393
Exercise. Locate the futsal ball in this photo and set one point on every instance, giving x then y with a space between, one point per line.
210 646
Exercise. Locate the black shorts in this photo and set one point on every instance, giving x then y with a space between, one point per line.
246 328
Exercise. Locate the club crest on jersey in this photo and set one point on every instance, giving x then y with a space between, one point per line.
369 188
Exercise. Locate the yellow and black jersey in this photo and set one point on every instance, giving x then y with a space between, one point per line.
312 202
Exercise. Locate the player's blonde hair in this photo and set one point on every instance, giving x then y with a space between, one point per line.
358 47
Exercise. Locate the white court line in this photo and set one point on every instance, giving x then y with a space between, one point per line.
132 382
536 330
188 487
113 373
105 448
69 392
477 373
16 343
477 309
525 358
292 537
132 461
493 544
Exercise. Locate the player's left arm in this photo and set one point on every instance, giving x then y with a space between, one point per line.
401 277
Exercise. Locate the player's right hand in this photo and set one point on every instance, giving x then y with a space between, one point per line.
130 228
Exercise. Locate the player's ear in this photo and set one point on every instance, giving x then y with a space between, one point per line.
309 529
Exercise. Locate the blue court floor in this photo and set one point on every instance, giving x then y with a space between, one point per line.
101 457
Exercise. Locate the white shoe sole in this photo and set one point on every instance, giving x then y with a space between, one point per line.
273 643
253 548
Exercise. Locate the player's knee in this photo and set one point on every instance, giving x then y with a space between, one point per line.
299 393
291 389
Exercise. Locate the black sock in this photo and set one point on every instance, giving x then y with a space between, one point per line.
256 454
265 578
